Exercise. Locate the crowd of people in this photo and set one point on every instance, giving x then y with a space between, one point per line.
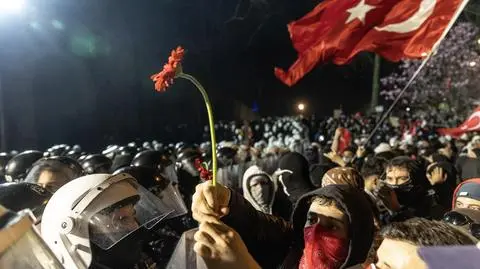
291 192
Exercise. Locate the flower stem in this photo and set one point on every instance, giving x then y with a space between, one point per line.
211 122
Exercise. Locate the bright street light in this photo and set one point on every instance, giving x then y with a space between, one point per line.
472 64
11 6
301 107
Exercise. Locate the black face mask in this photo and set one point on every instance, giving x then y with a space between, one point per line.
124 254
407 194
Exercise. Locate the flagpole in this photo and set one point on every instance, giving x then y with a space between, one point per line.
420 68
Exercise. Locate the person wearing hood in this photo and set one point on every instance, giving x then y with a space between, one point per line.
331 227
467 195
259 189
294 176
409 183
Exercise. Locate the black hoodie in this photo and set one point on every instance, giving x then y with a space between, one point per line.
295 176
275 243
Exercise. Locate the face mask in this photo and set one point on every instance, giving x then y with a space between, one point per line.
262 195
323 250
404 193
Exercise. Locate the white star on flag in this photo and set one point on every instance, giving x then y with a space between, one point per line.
359 12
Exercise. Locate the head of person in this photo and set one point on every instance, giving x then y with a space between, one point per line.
406 177
21 245
294 175
372 170
343 176
259 189
97 164
349 154
336 220
105 217
153 180
467 219
53 172
18 166
160 160
186 161
467 195
396 246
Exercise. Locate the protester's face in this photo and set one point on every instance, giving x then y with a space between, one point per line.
371 182
329 217
447 151
394 254
464 202
49 181
397 176
121 219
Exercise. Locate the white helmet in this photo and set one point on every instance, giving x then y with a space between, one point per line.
100 209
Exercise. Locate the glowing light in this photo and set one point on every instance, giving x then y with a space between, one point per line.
11 6
478 41
472 64
301 107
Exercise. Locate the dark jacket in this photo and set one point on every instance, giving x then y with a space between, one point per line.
276 243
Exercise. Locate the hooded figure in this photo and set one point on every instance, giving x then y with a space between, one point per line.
294 175
275 243
259 189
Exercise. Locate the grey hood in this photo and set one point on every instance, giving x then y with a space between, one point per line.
252 172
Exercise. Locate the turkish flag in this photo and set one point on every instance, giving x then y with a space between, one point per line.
337 30
472 124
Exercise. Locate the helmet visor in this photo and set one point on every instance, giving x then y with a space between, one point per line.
130 207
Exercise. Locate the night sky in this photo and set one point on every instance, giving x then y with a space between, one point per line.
78 71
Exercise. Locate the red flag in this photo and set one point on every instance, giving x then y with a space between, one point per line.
337 30
472 124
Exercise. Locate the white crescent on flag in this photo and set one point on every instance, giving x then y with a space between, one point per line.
414 22
466 126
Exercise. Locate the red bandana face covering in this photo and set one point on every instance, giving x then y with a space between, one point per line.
323 250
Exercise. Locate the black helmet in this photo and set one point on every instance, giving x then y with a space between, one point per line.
152 158
186 161
148 177
127 150
97 164
58 150
62 170
23 195
226 156
4 158
17 168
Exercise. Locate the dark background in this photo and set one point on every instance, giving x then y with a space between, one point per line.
78 71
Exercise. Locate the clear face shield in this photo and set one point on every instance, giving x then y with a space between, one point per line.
131 207
22 247
170 173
